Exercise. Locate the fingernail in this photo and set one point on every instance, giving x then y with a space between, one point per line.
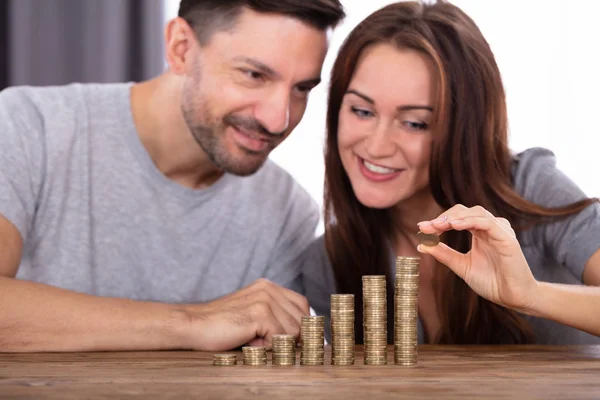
421 249
424 223
440 219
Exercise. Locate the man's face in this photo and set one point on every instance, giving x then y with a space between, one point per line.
247 89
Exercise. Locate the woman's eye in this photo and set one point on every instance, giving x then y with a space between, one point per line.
415 126
360 113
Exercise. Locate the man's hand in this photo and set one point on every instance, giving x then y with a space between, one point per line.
249 316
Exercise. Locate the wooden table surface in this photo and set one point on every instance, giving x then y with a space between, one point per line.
443 372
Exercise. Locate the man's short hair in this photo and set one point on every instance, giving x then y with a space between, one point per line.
207 17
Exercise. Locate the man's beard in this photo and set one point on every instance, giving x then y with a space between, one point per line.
210 135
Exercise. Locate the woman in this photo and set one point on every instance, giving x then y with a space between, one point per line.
417 128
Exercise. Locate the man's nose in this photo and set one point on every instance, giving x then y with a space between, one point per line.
274 112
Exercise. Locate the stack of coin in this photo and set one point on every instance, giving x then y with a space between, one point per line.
375 319
312 334
406 310
342 329
284 349
224 359
255 355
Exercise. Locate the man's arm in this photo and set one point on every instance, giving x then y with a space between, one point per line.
36 317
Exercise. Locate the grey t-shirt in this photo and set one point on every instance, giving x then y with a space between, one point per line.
98 217
556 252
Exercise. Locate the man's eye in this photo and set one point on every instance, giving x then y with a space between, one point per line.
303 91
253 74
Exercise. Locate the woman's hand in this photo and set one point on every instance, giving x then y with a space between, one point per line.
495 268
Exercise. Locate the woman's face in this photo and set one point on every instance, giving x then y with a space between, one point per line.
384 135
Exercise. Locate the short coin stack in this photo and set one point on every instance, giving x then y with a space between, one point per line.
254 355
375 319
342 329
224 359
406 310
284 349
312 334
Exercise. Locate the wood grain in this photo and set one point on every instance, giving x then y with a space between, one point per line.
443 372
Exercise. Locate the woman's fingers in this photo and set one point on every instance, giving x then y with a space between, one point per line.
453 259
445 222
491 226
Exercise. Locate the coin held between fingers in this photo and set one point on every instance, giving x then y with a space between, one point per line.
428 239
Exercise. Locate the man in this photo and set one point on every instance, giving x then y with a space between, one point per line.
138 216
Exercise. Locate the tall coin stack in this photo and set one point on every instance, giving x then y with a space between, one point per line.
342 329
254 355
406 310
375 319
312 334
284 350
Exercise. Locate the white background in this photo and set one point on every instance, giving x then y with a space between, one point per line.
548 52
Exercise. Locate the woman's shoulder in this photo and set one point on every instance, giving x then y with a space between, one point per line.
316 261
318 279
317 270
530 165
537 179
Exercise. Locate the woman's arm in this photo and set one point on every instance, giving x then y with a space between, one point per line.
497 270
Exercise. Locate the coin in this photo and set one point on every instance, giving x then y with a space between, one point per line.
224 359
428 239
375 319
255 355
342 329
406 290
284 350
312 337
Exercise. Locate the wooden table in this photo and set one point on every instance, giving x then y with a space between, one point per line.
443 372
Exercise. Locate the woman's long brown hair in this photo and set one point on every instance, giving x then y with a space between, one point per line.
470 165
